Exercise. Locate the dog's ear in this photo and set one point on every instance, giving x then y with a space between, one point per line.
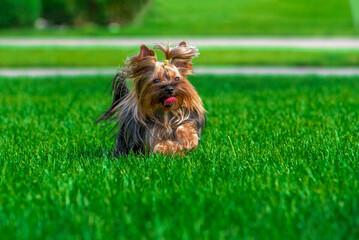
141 64
183 44
145 52
180 56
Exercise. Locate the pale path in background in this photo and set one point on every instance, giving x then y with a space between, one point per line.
297 71
305 43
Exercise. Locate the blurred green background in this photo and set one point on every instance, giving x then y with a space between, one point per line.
169 17
185 19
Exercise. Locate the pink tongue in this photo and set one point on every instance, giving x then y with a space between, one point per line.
170 100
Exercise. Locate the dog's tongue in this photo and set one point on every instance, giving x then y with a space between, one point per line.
169 101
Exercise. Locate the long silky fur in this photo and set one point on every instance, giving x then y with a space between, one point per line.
137 130
180 56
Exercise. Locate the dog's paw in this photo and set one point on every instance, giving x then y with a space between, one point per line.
188 136
168 147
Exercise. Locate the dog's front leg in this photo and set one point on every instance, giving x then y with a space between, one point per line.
168 147
188 136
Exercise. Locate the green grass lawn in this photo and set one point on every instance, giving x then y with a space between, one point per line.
279 160
232 17
113 57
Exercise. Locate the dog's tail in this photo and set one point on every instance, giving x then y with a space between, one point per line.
119 92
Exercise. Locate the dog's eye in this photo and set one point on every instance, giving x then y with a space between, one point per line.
176 79
156 80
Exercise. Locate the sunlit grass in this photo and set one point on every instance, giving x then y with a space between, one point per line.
278 160
113 57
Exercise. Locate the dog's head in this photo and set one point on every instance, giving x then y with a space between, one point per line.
163 86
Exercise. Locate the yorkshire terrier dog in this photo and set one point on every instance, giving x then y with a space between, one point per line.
162 112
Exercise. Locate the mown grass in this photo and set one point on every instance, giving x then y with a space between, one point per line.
232 17
278 161
112 57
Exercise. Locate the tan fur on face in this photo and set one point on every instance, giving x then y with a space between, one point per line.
149 97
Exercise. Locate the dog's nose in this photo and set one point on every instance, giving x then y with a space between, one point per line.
169 89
